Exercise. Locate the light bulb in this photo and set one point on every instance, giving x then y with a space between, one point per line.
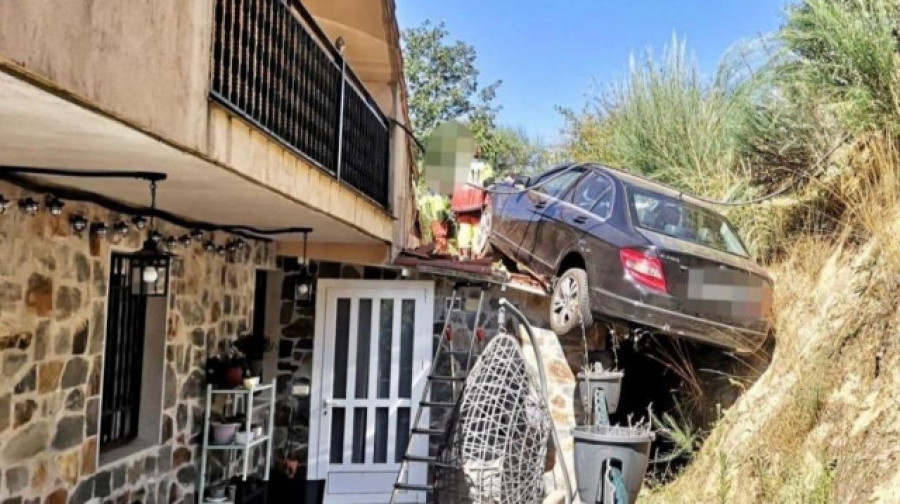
303 289
150 274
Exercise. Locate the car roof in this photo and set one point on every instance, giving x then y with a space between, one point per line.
645 183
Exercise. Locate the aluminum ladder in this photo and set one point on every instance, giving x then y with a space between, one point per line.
458 368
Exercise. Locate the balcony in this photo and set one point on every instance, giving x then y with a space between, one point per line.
273 67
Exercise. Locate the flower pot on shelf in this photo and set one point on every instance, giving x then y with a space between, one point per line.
232 376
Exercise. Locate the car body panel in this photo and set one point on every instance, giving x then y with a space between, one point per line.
712 296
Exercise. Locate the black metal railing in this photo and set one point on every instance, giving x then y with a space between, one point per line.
123 359
273 66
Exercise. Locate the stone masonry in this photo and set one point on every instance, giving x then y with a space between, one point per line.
53 288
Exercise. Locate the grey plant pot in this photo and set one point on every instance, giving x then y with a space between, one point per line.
609 381
598 446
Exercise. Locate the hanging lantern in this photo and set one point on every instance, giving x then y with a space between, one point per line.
186 240
120 228
4 204
139 221
149 267
78 222
305 280
149 271
55 206
197 235
29 206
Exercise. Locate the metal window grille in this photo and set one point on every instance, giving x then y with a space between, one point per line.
123 359
282 75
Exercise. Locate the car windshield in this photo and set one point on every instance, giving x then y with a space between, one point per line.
684 221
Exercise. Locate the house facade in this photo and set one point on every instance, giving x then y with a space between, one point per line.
262 142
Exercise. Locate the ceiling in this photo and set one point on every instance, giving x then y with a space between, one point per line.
39 129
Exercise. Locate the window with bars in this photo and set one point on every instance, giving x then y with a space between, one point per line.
123 359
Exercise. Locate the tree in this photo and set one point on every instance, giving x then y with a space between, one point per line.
442 81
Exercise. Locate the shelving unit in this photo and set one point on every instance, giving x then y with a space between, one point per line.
240 400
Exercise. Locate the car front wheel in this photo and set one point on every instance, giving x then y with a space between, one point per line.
570 305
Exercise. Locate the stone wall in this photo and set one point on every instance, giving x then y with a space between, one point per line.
53 287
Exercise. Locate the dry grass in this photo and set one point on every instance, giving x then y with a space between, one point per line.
820 425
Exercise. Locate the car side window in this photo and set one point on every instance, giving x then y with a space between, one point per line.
593 193
555 183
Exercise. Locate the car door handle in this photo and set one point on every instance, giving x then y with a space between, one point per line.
540 205
581 219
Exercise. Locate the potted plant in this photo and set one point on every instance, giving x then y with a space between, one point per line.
226 370
254 348
434 210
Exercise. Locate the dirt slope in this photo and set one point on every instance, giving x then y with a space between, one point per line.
822 424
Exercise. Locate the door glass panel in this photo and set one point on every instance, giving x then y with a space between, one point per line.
588 191
556 183
381 435
402 434
362 348
337 436
407 333
385 335
341 343
359 436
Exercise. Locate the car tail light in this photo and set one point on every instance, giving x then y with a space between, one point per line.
644 269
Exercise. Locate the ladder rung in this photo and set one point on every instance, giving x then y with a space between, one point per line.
447 378
417 488
429 432
437 404
432 461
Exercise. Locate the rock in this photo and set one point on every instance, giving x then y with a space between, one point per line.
41 340
94 379
82 267
27 383
166 428
84 492
170 387
39 295
27 443
285 348
305 343
80 339
13 362
97 325
39 478
76 373
75 400
20 341
193 386
181 456
16 479
92 416
24 411
198 337
102 484
135 471
67 466
69 432
89 456
286 313
63 345
181 417
60 496
48 376
68 300
215 312
150 466
187 475
119 474
191 313
226 305
99 279
10 294
4 411
164 459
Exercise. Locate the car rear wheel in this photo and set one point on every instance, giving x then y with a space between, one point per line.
481 244
570 305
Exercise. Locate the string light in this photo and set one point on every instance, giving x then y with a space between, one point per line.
186 240
29 206
197 235
55 206
100 229
220 250
121 228
4 204
209 246
139 221
78 222
155 236
171 242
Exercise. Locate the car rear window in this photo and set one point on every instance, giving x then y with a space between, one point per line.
683 220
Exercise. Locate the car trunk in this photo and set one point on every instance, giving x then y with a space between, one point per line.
714 285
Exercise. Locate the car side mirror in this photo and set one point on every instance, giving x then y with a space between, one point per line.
522 181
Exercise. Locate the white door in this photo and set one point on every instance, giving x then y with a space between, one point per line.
372 351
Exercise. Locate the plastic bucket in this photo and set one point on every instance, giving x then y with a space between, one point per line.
609 381
596 447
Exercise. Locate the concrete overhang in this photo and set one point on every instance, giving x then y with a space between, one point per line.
41 129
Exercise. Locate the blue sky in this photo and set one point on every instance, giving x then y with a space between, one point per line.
552 52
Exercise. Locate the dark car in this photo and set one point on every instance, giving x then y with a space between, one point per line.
619 247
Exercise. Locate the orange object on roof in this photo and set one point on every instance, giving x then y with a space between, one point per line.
467 199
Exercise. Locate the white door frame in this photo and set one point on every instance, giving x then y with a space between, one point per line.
318 448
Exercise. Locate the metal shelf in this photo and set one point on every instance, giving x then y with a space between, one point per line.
252 402
236 446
